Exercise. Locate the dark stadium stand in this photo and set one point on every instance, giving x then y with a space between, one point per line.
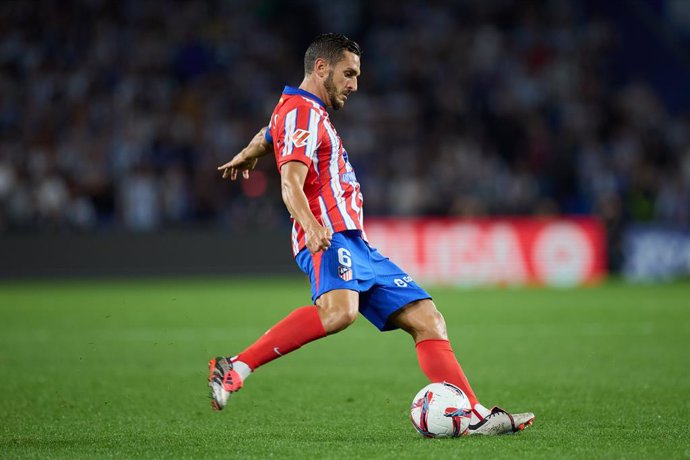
114 115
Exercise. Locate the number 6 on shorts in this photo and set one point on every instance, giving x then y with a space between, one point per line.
344 257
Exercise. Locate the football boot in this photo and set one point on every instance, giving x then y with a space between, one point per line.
223 380
501 422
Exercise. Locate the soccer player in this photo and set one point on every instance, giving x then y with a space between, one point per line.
348 276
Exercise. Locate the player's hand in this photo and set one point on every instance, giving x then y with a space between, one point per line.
318 238
237 164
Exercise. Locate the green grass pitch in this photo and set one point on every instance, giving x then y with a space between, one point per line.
118 369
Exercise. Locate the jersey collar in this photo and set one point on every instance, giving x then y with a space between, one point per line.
292 91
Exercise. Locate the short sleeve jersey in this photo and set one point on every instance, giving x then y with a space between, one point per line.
300 130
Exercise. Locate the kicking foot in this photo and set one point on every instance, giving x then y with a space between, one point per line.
501 422
222 380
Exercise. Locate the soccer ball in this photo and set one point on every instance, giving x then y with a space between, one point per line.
441 410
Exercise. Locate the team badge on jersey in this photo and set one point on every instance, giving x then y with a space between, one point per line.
345 273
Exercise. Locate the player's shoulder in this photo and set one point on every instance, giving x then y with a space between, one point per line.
289 102
298 110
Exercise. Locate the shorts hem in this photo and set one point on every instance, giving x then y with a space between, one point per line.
314 298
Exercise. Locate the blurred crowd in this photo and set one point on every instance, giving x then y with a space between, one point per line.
115 114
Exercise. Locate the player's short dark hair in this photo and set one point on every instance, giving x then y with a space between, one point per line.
330 47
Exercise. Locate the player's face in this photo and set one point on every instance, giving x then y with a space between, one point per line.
342 80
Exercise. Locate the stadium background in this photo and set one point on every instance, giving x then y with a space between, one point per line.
114 116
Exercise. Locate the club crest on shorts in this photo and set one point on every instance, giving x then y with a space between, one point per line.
345 273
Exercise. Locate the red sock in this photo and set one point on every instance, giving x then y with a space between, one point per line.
438 362
298 328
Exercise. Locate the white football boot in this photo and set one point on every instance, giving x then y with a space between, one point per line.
501 422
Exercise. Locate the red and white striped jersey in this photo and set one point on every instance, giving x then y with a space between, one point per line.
300 130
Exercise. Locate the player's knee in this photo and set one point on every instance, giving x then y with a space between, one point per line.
347 317
432 323
338 309
337 318
438 323
423 321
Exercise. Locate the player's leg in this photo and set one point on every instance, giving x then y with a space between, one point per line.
335 291
336 307
227 375
333 312
422 320
397 301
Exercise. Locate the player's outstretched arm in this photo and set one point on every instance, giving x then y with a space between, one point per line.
246 160
292 177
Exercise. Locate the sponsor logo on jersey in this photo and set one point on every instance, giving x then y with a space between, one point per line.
345 273
300 137
348 177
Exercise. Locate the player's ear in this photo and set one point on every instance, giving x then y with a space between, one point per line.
321 67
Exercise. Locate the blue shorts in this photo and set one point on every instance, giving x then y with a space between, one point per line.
350 263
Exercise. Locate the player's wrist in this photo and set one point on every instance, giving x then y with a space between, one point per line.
312 226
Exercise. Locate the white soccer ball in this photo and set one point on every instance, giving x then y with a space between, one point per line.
441 410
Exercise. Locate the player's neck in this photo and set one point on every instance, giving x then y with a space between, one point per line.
315 88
